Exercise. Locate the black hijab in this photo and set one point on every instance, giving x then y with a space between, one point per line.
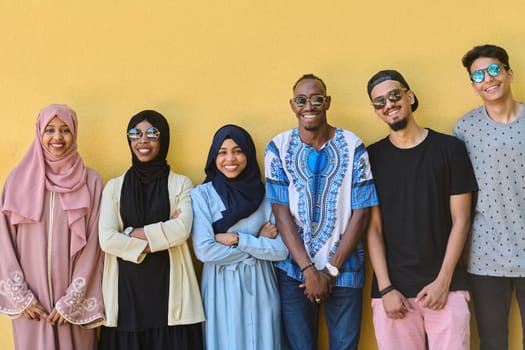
243 194
144 198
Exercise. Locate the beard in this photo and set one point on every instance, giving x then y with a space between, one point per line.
312 128
399 125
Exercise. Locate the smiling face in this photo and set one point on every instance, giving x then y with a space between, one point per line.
144 149
231 160
57 137
492 88
395 114
311 118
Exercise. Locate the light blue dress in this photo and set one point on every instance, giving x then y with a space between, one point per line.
239 286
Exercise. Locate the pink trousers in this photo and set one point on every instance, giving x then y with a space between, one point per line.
445 329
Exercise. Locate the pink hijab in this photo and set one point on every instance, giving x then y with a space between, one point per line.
39 171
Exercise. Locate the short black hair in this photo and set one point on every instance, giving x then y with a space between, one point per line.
486 50
309 76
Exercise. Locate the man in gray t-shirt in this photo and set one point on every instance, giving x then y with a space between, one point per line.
494 135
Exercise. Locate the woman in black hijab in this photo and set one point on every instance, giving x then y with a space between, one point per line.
150 290
233 237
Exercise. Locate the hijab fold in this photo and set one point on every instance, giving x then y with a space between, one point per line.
144 195
41 171
242 195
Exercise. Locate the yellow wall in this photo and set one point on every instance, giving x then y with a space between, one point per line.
206 63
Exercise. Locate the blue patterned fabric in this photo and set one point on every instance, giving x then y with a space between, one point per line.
321 188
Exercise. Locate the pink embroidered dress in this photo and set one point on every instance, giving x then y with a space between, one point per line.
49 245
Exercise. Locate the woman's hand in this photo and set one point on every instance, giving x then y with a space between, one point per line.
228 238
268 230
176 213
140 234
35 311
56 318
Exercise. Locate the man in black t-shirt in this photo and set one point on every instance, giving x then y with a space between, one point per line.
424 180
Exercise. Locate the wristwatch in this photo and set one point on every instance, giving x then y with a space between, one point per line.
128 230
332 270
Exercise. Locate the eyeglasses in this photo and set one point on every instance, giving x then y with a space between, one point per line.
152 134
393 96
315 100
493 70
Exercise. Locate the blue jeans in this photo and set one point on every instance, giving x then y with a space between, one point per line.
301 317
492 298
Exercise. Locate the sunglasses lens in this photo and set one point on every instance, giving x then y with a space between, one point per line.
299 101
152 134
394 95
317 100
134 134
477 76
379 103
494 69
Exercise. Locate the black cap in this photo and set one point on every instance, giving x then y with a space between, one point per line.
385 75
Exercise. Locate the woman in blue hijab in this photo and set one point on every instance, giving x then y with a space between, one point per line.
234 237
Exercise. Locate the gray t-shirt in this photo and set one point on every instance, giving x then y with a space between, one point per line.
497 152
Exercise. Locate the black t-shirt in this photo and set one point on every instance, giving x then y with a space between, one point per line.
414 188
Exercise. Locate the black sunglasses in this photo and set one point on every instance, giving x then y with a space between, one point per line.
315 100
393 96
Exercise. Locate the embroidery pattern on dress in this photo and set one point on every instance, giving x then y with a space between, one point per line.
76 299
15 289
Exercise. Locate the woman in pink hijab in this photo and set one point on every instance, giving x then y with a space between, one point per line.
51 266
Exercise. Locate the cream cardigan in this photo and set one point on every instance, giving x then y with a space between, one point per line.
185 305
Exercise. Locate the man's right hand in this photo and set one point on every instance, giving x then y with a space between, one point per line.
317 285
395 304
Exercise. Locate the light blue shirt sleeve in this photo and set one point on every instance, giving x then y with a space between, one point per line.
263 248
206 248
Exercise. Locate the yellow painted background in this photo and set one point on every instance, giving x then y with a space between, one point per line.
206 63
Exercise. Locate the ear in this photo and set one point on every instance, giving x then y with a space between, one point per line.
327 102
411 97
510 72
292 106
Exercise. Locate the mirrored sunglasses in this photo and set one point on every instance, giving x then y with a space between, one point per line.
152 134
493 70
393 96
316 100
